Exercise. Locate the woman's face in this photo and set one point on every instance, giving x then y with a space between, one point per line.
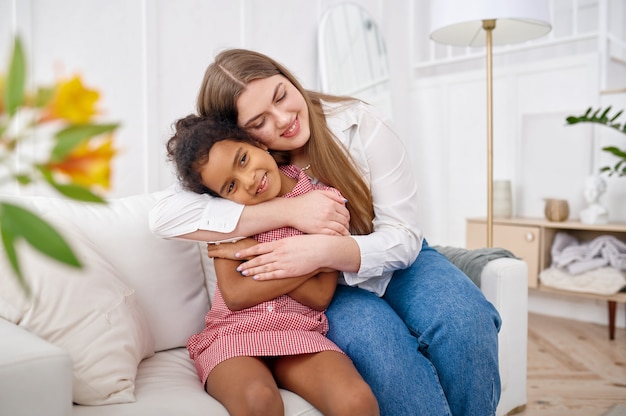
274 112
241 172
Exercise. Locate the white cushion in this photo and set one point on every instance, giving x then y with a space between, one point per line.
167 275
167 384
89 312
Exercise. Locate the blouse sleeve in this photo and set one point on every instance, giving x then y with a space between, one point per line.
180 212
383 160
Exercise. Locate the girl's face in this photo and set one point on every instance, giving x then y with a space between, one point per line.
274 112
241 172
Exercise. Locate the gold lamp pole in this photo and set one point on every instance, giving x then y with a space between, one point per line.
461 23
489 25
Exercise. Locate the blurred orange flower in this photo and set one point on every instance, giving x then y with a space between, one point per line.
71 101
88 164
80 152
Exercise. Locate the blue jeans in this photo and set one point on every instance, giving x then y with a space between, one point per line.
429 346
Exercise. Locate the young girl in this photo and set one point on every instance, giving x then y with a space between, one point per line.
260 336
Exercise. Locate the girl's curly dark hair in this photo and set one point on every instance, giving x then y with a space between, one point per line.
189 147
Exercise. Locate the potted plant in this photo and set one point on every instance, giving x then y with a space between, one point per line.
602 117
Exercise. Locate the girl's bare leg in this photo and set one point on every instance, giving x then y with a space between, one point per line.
329 381
246 387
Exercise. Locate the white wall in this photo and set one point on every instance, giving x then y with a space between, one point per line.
147 58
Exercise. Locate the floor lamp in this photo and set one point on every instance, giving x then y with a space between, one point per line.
488 23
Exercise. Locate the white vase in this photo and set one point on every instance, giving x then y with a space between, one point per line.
502 199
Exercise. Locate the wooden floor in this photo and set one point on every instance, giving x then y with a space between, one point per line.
573 367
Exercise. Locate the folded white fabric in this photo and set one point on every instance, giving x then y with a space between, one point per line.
575 257
601 281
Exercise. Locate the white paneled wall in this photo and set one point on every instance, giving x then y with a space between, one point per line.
147 58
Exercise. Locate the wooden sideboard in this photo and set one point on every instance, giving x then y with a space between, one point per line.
531 240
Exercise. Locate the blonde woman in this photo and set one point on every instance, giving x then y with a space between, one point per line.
418 330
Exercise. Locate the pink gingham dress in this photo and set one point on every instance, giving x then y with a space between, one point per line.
281 326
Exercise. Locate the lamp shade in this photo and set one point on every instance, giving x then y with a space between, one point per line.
460 23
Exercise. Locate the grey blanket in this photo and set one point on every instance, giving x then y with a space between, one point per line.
472 262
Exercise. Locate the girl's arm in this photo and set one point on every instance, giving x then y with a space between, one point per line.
202 217
241 292
318 291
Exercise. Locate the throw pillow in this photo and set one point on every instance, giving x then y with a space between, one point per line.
89 312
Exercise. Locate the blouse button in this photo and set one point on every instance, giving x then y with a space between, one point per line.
270 308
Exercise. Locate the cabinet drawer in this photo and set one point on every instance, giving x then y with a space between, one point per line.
523 241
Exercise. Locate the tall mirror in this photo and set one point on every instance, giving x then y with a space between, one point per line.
353 57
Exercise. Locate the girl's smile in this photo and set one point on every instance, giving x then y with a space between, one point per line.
263 185
244 173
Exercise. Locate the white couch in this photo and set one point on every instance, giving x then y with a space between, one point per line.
113 334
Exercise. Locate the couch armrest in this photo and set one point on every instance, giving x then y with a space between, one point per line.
35 376
504 282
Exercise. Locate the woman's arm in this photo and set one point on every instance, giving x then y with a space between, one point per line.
202 217
299 255
397 237
318 291
240 292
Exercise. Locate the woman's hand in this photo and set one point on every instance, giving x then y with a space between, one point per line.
228 250
319 212
300 255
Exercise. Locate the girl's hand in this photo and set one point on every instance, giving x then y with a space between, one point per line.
228 250
320 212
299 255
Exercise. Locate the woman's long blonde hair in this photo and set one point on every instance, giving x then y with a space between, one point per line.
224 81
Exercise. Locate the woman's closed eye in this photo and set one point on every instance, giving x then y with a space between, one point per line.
260 124
277 100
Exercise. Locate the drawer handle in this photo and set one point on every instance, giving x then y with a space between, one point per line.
530 237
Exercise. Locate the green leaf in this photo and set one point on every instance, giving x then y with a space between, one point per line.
43 97
616 115
572 120
72 191
18 223
603 116
615 151
23 179
14 94
70 137
77 192
595 114
8 242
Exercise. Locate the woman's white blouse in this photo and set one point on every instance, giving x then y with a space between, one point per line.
384 163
